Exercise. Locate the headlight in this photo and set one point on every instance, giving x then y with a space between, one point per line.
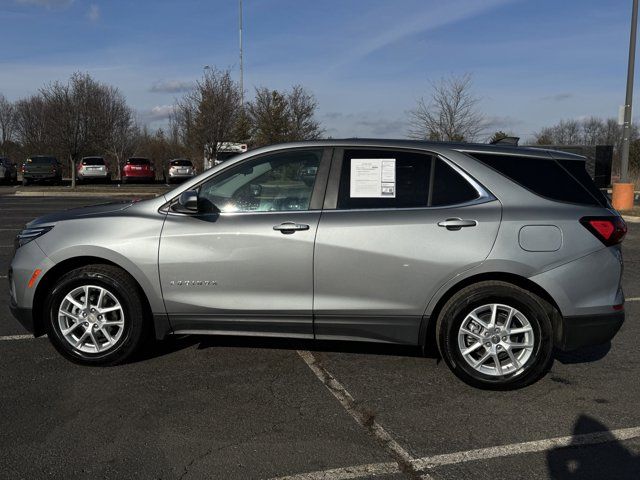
28 234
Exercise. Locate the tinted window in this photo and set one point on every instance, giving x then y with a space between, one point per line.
578 171
449 187
273 183
543 176
93 161
181 163
138 161
421 180
42 160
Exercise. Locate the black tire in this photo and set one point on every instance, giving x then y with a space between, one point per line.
124 288
469 298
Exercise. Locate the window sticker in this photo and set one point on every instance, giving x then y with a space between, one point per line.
373 178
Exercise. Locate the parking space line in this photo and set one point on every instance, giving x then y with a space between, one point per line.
526 447
632 299
347 473
363 418
428 463
16 337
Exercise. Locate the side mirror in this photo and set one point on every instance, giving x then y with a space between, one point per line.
188 201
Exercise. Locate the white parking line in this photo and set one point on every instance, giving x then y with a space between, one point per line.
16 337
363 419
347 473
632 299
434 461
527 447
4 276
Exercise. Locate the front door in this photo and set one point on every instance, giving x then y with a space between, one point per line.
244 263
397 225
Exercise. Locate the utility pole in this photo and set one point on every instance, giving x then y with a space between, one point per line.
241 65
623 192
626 131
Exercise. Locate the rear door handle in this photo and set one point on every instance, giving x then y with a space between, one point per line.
290 227
456 223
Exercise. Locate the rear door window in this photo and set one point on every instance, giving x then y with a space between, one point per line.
399 179
138 161
565 182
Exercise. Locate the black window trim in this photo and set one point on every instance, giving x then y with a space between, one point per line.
333 187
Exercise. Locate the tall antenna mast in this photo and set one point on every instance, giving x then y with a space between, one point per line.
241 66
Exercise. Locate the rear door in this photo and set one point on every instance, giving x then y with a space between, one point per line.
397 225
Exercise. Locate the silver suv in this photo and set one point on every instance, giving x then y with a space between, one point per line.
495 254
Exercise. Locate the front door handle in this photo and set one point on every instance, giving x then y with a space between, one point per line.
290 227
456 223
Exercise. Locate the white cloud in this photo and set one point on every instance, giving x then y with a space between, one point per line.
171 86
47 3
94 13
159 113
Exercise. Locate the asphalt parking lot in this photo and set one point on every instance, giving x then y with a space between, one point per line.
209 407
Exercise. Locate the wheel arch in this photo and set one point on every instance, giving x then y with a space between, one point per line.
428 328
61 268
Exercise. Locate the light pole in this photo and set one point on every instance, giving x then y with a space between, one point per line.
622 196
241 65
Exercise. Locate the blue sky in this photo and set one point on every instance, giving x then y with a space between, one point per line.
533 62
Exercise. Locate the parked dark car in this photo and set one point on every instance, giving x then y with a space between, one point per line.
138 169
42 168
93 168
177 170
8 170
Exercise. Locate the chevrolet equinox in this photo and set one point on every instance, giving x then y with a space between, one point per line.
494 254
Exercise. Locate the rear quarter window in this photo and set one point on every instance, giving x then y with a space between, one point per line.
567 182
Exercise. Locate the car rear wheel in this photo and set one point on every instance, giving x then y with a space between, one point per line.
96 316
496 335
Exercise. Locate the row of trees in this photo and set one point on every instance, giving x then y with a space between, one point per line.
83 117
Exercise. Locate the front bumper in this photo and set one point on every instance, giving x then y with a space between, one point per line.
587 330
24 316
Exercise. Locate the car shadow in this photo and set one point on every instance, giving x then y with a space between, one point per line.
174 343
583 355
587 458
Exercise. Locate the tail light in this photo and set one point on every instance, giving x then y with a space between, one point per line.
609 230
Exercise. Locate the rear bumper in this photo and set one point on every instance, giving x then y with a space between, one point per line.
588 330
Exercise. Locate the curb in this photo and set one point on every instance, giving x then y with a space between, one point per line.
85 194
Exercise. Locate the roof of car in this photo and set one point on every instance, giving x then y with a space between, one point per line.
458 146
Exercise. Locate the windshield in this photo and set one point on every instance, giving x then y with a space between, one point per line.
181 163
93 161
138 161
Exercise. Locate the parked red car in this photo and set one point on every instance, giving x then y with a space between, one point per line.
138 169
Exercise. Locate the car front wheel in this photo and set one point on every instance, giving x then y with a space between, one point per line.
496 335
96 315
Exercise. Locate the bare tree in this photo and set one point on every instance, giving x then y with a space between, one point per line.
123 139
7 122
81 116
31 119
206 116
451 115
277 117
